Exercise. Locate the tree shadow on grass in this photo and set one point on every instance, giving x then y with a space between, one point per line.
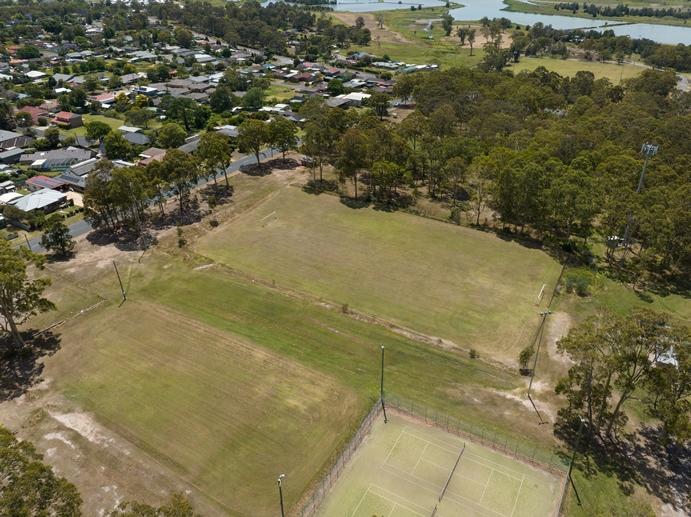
645 458
124 240
360 202
317 187
21 368
217 194
256 169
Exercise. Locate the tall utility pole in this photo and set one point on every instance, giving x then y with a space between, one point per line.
280 493
122 289
381 386
648 150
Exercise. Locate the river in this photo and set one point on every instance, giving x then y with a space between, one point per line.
477 9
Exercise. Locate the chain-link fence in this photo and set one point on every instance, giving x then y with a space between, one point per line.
316 497
532 454
520 450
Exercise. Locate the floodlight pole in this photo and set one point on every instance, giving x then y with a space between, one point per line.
381 386
648 150
573 459
122 289
280 493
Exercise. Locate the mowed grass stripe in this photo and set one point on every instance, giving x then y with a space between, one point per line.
225 415
465 285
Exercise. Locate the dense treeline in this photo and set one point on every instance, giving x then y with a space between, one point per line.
556 157
246 23
624 10
541 39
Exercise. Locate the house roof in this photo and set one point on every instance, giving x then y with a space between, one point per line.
34 111
38 200
43 182
82 168
65 115
6 199
58 154
8 135
137 138
151 152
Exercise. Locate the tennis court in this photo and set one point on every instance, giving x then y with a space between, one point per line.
405 468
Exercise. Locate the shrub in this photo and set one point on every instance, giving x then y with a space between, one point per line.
578 282
213 223
474 354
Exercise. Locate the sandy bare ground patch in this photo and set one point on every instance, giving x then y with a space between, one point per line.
105 467
480 39
558 326
384 35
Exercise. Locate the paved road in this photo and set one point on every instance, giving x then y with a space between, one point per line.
81 227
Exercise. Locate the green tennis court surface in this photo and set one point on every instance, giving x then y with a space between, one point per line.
402 468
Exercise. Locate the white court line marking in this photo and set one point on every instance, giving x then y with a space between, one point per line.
395 472
377 487
456 499
493 469
392 509
446 446
361 499
517 496
458 473
419 458
486 485
471 453
485 460
392 448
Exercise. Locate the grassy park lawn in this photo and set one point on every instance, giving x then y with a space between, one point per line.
114 123
280 91
404 38
468 286
568 67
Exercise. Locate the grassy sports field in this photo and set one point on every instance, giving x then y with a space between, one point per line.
461 284
235 383
403 466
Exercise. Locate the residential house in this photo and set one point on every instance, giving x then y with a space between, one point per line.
68 119
10 139
137 138
105 99
63 78
36 112
35 74
11 155
41 182
227 130
131 78
152 154
8 197
44 200
7 186
190 145
57 159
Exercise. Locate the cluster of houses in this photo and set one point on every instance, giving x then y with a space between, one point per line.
61 171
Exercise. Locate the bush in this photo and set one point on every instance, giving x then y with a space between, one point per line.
524 359
213 223
578 282
474 354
